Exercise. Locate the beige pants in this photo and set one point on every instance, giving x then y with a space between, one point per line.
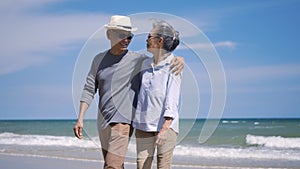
114 142
145 142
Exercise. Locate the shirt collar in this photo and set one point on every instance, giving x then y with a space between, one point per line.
167 60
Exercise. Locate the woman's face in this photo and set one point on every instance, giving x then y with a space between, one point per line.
154 42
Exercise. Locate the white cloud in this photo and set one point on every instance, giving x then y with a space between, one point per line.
264 79
12 63
269 72
227 44
204 46
190 34
28 39
13 7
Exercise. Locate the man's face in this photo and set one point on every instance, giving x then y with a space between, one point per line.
120 39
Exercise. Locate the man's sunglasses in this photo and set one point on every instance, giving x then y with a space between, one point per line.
123 35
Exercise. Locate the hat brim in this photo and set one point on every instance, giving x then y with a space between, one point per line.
120 28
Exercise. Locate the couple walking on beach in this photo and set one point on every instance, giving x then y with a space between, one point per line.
135 92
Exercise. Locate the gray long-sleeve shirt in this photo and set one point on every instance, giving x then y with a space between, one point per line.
113 77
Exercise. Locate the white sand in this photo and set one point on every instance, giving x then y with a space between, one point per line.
43 162
18 161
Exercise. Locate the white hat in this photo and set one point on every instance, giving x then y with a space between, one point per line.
121 23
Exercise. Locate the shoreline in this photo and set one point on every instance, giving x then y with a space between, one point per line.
202 118
16 161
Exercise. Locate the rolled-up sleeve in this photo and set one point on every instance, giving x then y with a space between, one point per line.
90 87
171 106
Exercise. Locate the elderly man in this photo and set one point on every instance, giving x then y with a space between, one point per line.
112 73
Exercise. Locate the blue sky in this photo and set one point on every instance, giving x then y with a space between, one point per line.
257 42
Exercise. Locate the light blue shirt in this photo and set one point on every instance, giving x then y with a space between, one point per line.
158 96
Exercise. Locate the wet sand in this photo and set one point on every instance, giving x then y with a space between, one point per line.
17 161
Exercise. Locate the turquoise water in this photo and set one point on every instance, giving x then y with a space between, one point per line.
230 132
266 142
233 132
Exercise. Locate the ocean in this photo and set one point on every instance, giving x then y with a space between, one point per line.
237 143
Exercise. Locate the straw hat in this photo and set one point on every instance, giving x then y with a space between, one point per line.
121 23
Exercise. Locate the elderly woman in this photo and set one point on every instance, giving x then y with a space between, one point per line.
156 118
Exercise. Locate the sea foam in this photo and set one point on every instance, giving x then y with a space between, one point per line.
235 153
183 151
273 141
45 140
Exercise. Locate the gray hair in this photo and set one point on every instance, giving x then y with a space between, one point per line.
169 34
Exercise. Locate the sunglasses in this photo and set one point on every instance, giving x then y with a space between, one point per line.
151 36
124 35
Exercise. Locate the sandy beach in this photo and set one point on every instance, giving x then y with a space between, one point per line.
16 161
